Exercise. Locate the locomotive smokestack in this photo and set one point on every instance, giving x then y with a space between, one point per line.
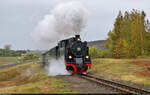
77 37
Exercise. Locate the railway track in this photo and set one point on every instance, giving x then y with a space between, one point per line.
115 85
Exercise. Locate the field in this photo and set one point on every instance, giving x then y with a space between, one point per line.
29 78
8 60
127 70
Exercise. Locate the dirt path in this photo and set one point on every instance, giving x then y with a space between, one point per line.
79 85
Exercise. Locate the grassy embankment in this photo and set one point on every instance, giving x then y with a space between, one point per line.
8 60
130 70
29 78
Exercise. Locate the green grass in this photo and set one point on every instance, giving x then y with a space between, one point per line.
121 69
29 78
8 60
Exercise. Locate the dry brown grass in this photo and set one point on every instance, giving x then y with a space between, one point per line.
29 78
133 70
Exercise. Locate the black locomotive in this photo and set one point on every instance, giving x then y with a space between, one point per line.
75 52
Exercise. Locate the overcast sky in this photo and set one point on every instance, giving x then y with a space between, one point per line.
18 18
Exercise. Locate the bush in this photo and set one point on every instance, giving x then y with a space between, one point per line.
31 56
104 53
93 51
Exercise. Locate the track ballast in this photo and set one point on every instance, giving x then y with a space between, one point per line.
115 85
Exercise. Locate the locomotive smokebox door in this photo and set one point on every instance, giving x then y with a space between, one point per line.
79 63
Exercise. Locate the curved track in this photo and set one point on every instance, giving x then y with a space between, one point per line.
117 86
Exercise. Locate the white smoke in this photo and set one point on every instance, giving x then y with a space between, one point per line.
56 67
64 21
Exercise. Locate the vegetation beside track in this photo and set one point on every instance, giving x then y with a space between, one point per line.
129 70
29 78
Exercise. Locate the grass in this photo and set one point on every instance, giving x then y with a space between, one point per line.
29 78
8 60
133 70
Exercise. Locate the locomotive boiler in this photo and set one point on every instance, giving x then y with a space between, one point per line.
75 52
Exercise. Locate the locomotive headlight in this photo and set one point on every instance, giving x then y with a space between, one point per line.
86 57
78 39
70 57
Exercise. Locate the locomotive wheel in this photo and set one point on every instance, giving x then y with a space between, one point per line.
70 68
86 68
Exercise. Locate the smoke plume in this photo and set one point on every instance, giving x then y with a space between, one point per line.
64 21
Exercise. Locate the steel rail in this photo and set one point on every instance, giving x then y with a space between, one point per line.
115 85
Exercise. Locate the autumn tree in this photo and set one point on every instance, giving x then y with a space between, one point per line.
128 37
148 36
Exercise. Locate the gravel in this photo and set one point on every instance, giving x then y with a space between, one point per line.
80 85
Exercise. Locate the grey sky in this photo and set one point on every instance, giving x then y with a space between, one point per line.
18 18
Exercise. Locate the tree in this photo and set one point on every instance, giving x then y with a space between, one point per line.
147 24
128 37
7 47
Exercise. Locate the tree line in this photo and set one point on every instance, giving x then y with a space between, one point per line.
7 52
11 53
130 36
21 54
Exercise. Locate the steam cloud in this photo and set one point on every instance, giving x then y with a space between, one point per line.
56 67
64 21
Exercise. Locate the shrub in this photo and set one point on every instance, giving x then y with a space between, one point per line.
104 53
93 51
31 56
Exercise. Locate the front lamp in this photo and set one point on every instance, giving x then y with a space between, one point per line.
70 57
78 39
86 57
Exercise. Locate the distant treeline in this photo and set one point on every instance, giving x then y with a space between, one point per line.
11 53
130 36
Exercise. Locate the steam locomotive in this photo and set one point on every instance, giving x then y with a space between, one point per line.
75 52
